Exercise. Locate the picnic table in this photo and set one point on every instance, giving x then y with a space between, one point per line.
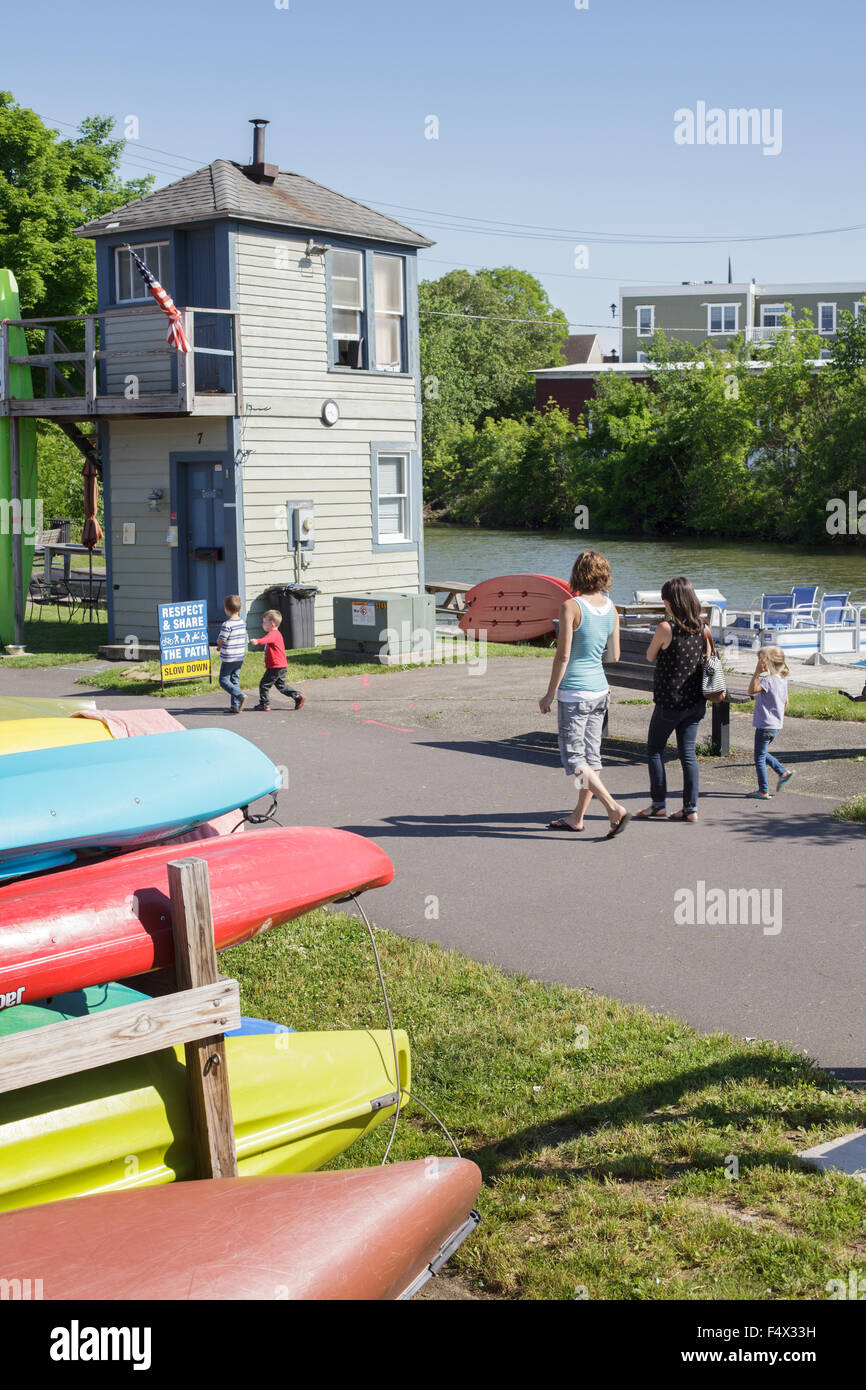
66 550
453 605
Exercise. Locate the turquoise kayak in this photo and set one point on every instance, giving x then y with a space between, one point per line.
122 794
96 999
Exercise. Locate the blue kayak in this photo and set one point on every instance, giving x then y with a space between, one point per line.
123 794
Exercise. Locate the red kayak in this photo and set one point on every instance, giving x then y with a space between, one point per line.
514 607
107 921
365 1233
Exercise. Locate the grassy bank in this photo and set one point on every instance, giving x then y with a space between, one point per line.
604 1132
817 704
53 643
142 678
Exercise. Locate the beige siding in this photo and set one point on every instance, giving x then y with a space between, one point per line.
139 453
283 317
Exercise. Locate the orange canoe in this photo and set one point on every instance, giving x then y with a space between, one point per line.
514 607
364 1233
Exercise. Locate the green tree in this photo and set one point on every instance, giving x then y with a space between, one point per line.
50 185
481 335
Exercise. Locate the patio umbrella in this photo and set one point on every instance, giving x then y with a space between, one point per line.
92 533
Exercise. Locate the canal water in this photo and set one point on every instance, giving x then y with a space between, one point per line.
741 570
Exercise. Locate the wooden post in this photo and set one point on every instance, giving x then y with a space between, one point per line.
720 737
17 530
91 385
206 1068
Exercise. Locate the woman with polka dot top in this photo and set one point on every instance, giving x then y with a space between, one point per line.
679 648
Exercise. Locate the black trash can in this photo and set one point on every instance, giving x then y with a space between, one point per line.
297 603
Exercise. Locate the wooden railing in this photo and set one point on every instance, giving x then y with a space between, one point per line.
85 373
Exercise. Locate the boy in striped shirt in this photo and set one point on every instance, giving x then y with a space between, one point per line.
232 647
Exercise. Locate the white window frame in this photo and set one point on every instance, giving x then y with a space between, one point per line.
827 332
639 309
723 332
161 272
404 538
777 310
859 310
400 315
640 356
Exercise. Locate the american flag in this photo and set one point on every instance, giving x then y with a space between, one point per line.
175 335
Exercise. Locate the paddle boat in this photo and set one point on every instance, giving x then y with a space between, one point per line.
368 1233
111 920
298 1100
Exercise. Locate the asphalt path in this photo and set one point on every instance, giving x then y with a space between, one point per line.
456 778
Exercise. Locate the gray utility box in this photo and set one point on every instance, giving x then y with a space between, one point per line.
394 628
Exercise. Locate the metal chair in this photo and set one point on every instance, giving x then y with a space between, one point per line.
833 607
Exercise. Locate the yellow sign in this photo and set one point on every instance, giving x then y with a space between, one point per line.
183 670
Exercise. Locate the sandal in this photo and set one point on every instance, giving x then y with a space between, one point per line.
561 824
651 813
619 827
760 796
689 817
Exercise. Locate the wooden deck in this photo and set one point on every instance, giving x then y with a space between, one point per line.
119 372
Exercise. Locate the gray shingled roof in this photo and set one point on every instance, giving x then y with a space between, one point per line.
223 189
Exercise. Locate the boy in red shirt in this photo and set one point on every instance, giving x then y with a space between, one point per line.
276 666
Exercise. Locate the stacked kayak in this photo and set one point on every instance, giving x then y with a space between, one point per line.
123 793
298 1100
369 1233
26 735
111 920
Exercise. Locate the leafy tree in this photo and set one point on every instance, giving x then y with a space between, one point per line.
50 185
481 335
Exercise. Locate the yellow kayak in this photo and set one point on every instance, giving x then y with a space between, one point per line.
25 735
298 1100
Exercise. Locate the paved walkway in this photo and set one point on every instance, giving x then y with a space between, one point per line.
456 775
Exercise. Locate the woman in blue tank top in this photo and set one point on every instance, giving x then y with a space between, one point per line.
579 685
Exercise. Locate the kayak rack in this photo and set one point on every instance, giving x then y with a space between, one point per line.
197 1013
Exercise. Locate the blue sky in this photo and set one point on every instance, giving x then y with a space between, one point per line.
549 116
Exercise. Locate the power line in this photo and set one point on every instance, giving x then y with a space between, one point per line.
557 274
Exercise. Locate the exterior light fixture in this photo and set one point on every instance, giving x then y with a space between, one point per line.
315 248
154 497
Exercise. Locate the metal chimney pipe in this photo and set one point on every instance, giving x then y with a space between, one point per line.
258 124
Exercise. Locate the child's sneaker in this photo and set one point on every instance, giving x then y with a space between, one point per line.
263 709
300 701
785 778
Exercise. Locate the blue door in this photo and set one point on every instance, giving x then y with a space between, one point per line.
201 537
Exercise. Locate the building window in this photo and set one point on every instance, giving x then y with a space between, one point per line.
826 318
368 310
645 320
129 285
771 315
722 318
640 356
347 308
392 501
860 310
389 304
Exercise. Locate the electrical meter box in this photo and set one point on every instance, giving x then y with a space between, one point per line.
394 628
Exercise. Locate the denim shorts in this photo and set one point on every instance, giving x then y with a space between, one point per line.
580 725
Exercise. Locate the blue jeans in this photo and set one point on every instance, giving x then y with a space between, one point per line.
229 681
685 724
763 739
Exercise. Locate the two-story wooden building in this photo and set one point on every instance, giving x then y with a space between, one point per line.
301 385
